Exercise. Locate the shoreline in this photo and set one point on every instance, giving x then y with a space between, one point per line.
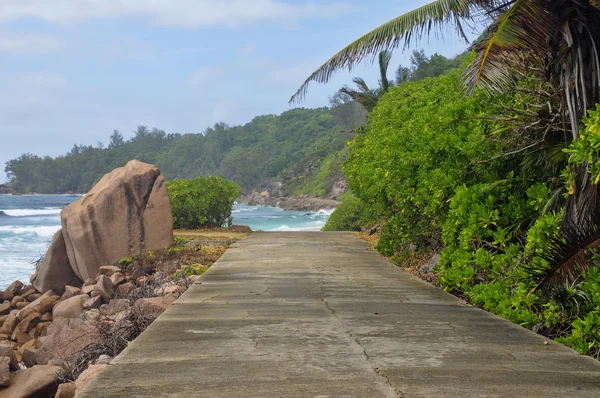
295 203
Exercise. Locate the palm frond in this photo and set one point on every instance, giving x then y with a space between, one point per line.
568 255
384 62
367 99
362 85
521 29
399 30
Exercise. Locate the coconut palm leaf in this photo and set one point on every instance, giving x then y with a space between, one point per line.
568 255
366 98
399 30
384 62
522 29
362 85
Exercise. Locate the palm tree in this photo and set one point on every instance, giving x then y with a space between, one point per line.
558 38
366 96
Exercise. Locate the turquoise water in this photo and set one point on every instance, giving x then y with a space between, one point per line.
28 222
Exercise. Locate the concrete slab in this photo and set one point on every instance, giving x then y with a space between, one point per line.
320 315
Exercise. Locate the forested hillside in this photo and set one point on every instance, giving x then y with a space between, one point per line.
292 146
301 148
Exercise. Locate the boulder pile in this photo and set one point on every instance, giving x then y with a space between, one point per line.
81 290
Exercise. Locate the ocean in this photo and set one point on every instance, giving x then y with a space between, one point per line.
28 222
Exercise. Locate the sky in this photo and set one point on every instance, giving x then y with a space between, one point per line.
72 71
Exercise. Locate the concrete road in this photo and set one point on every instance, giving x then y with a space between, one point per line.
319 315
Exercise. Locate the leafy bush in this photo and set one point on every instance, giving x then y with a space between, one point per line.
431 164
351 215
202 202
421 142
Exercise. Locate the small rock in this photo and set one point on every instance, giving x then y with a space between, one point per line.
70 291
7 351
30 322
38 381
20 336
116 306
104 288
175 290
15 300
47 302
118 278
240 228
88 289
4 371
27 291
5 295
91 316
29 357
33 277
103 360
108 270
66 336
428 267
33 297
21 305
15 287
92 302
42 328
30 345
154 306
144 280
9 324
47 317
33 306
5 307
137 272
70 308
125 289
88 375
66 390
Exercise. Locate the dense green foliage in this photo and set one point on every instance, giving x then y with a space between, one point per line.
293 144
202 202
351 215
430 168
415 154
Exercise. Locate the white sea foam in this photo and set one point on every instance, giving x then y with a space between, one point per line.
325 212
40 231
315 226
31 212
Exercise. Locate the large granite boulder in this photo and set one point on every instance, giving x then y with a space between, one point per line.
55 272
127 211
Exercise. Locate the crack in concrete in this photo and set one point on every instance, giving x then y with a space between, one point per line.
382 381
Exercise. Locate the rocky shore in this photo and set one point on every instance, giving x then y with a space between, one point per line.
110 271
7 190
300 203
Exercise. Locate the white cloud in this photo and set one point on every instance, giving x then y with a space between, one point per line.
10 43
206 76
180 13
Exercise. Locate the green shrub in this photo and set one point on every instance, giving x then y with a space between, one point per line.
188 270
351 215
422 141
202 202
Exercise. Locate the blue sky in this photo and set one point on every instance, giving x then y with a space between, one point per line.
71 71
